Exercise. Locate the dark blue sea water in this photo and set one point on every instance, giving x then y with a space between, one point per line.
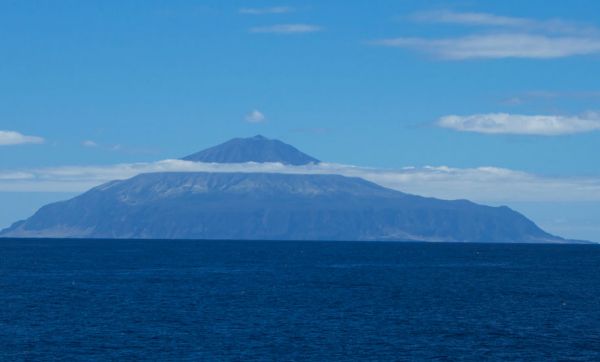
286 301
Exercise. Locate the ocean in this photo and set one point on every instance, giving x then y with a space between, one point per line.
158 300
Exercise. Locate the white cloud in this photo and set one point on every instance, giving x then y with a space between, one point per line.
504 123
16 175
483 184
255 116
508 45
287 29
505 37
89 143
471 18
9 138
499 21
263 11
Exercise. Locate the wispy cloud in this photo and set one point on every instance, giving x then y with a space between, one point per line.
89 143
504 37
550 96
268 10
10 138
498 46
287 29
470 18
108 147
483 184
255 116
498 21
517 124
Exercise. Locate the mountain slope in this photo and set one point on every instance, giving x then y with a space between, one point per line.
272 207
254 149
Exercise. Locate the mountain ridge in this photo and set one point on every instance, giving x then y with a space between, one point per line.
243 206
270 206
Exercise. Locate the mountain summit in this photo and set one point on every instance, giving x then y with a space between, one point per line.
254 149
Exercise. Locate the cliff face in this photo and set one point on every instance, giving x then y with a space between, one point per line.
247 206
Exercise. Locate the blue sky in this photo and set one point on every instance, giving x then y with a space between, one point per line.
511 85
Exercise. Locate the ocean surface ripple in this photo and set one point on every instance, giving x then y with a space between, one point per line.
297 301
